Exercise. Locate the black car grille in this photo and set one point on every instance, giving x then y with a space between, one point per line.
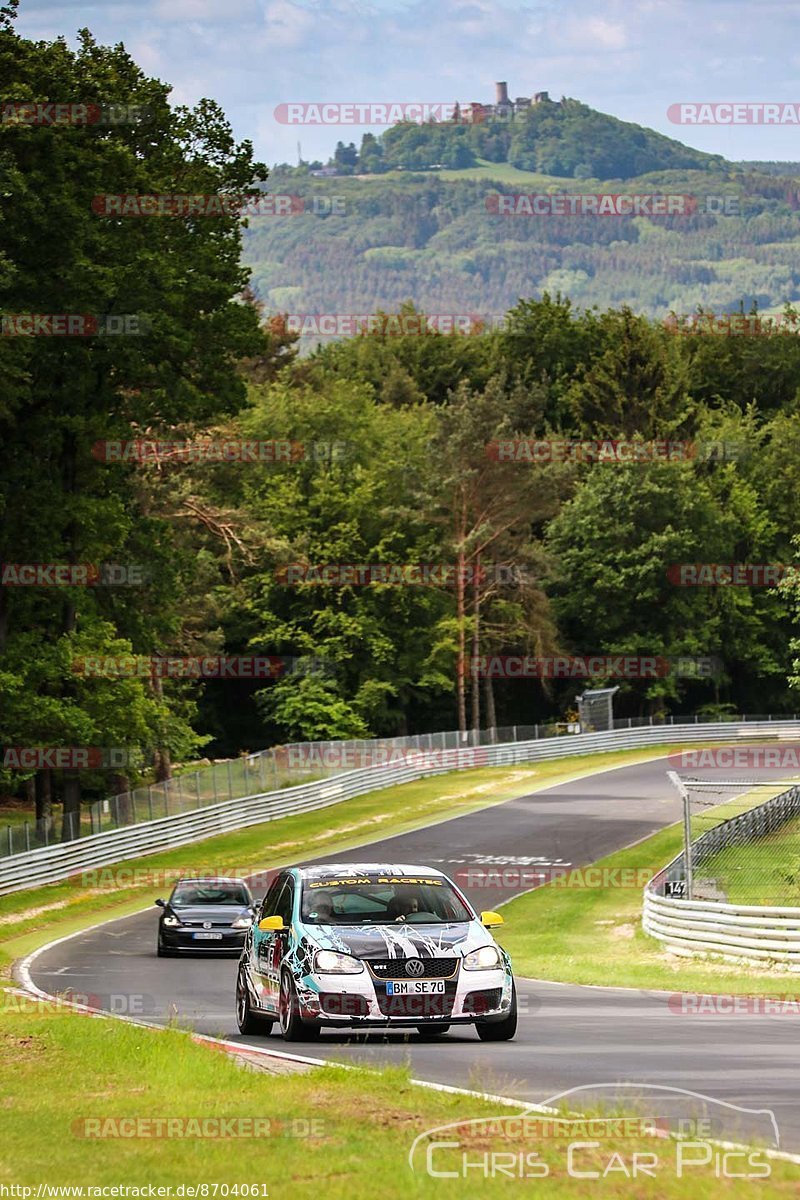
395 968
418 1007
484 1001
207 924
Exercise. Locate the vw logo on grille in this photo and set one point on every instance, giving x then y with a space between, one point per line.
206 924
415 966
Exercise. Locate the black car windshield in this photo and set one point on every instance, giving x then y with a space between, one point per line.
209 893
381 899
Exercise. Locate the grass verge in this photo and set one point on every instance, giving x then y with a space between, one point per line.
762 872
594 935
76 1089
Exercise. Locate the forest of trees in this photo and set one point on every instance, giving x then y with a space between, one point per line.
392 464
442 242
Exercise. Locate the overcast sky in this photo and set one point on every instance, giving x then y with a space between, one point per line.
631 58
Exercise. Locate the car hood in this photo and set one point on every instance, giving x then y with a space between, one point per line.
400 940
218 913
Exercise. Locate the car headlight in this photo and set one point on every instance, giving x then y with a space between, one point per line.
329 962
483 959
243 922
171 921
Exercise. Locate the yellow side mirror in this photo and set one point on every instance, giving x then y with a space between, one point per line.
490 919
271 925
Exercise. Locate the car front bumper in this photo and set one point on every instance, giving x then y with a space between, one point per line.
231 940
362 1000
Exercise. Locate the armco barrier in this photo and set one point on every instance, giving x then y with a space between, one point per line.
739 931
52 863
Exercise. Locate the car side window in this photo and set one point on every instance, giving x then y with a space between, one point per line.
270 906
286 903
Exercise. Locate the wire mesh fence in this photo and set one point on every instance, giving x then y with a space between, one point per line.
281 767
745 842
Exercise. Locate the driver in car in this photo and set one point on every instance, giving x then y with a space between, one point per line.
400 907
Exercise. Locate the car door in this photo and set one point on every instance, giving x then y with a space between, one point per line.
272 944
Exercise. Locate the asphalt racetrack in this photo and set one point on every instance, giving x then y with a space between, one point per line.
610 1042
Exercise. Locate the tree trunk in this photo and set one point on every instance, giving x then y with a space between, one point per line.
488 700
460 665
43 789
70 825
476 649
161 756
3 618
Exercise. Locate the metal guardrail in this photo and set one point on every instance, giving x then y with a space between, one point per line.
282 767
740 931
53 863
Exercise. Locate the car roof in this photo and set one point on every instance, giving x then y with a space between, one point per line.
347 870
211 879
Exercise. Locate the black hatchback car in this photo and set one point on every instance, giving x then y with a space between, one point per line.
206 916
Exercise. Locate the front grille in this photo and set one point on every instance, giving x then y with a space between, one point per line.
484 1001
416 1006
202 924
395 968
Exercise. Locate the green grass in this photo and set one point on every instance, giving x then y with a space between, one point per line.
594 935
763 872
502 172
326 1132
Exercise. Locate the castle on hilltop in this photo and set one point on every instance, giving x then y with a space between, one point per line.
503 107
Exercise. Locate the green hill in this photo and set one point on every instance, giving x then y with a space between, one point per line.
564 138
441 243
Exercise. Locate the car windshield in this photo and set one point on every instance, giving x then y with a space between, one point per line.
378 900
209 893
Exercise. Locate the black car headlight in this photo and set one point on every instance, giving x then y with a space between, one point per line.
330 962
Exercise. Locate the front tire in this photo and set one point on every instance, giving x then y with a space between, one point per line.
246 1019
504 1029
293 1027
